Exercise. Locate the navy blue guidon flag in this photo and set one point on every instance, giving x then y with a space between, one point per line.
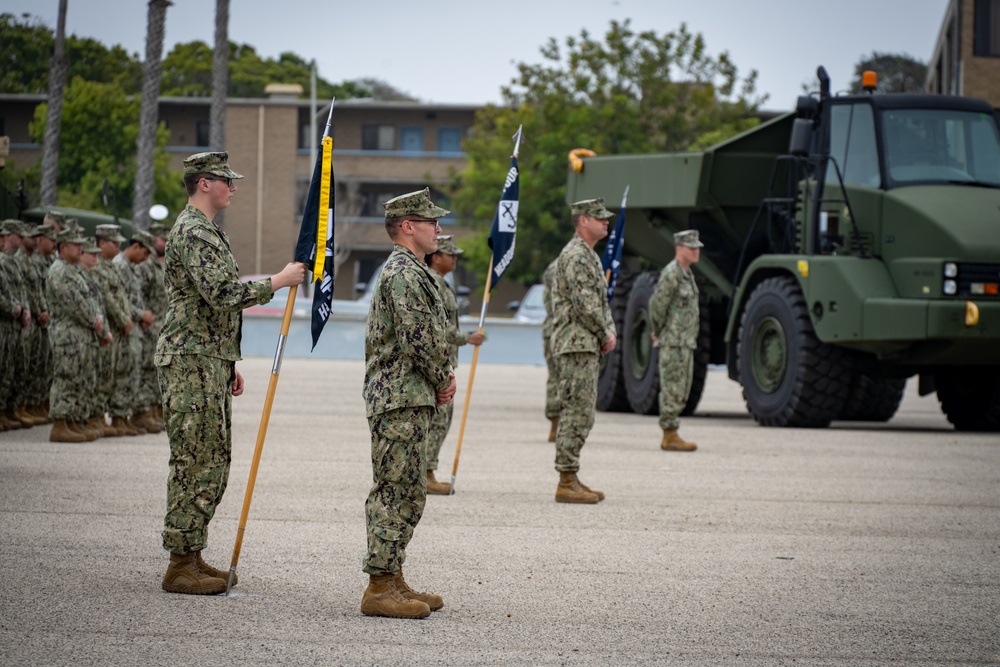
505 224
317 232
611 260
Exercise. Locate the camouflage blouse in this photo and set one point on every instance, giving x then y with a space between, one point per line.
580 300
205 297
673 308
406 346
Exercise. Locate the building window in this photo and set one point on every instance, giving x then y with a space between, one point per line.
986 28
371 203
450 140
378 138
412 139
201 131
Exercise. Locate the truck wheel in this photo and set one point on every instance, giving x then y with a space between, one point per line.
970 398
871 398
789 377
702 354
640 360
611 396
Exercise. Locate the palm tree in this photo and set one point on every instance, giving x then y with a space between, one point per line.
53 118
149 117
220 84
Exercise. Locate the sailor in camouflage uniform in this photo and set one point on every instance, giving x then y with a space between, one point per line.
35 268
407 375
196 356
113 372
97 401
552 380
154 296
674 318
583 330
442 262
45 255
17 320
139 247
74 332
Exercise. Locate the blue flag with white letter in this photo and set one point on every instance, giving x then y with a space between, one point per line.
611 260
505 224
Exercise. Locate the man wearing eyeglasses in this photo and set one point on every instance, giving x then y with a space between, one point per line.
407 375
196 356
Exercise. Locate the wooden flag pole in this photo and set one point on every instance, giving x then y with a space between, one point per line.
472 377
262 432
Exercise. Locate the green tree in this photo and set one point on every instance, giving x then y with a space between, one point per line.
99 130
897 73
630 93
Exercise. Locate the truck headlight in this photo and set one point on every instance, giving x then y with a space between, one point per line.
950 287
950 270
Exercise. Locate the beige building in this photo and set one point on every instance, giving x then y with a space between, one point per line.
381 150
966 59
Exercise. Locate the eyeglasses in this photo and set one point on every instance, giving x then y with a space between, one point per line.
227 181
429 222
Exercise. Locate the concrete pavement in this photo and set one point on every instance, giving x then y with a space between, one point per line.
861 544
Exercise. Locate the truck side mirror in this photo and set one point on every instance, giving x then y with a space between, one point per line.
801 137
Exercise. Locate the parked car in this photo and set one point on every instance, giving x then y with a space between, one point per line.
532 307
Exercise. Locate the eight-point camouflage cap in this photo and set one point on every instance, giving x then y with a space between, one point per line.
446 245
160 229
414 203
145 238
216 164
110 233
32 231
12 226
48 231
592 207
688 238
71 236
90 245
73 223
55 216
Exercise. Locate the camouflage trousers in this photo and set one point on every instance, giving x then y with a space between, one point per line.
149 386
7 333
578 400
74 380
676 373
197 412
552 383
122 403
106 359
440 425
23 351
399 489
39 374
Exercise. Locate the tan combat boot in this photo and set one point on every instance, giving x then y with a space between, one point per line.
96 425
433 601
381 598
569 490
83 427
436 488
149 422
17 414
183 576
119 425
213 572
599 494
554 428
62 433
134 427
110 431
25 415
675 443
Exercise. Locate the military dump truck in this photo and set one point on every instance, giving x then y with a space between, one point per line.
849 245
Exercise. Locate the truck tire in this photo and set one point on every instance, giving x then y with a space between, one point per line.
611 396
970 398
640 360
789 377
871 398
702 354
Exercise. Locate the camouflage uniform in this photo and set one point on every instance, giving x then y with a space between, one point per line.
406 365
581 326
127 397
112 382
73 340
196 356
552 382
12 301
44 263
674 317
154 296
97 402
37 267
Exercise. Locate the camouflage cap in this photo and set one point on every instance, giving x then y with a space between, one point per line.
33 231
446 245
73 223
592 207
56 216
90 244
145 238
12 226
160 229
48 231
216 164
109 233
414 203
688 238
71 236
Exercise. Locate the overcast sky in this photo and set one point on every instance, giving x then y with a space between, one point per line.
463 51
